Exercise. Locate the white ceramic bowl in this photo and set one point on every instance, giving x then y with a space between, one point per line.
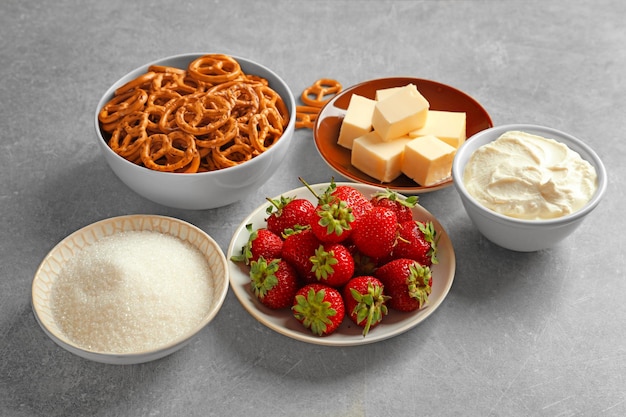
518 234
48 272
204 190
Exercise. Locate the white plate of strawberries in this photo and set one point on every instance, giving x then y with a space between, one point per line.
341 264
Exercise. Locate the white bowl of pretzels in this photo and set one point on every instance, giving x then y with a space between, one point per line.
196 131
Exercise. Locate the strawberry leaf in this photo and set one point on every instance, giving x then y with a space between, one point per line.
263 276
313 311
323 262
418 283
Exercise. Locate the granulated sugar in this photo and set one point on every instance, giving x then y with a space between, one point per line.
131 291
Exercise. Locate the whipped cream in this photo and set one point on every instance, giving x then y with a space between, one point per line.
529 177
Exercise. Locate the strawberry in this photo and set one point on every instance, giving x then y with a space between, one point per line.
274 282
365 301
333 264
331 221
417 240
319 308
354 199
261 242
287 213
402 207
375 233
332 218
298 248
407 283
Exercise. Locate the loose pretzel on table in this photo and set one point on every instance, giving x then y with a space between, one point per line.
314 98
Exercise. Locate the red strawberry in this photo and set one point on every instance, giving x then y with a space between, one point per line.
333 264
417 240
407 283
261 242
331 221
403 207
319 308
375 233
365 301
274 282
298 248
288 212
354 199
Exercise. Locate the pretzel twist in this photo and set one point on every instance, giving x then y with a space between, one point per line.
214 69
306 116
121 105
322 90
314 98
168 153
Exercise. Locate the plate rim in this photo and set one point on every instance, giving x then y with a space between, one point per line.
263 314
329 109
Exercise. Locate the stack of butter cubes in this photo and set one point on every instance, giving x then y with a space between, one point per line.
396 133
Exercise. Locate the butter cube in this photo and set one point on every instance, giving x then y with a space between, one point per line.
427 160
445 125
383 93
377 158
401 112
357 121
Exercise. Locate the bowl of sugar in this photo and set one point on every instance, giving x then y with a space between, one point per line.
130 289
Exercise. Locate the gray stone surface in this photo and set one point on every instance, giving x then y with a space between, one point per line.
538 334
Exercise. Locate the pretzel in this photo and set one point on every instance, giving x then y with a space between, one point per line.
160 98
130 135
264 129
201 115
317 94
306 116
214 68
168 153
219 137
242 97
121 105
208 116
315 97
228 157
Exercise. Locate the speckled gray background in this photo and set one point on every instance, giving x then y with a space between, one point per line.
538 334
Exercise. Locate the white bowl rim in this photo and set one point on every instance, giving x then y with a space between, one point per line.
191 55
457 173
147 355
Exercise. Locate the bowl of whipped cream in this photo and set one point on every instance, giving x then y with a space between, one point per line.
527 187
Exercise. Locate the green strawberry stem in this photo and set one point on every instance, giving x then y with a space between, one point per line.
370 306
306 184
410 201
278 204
